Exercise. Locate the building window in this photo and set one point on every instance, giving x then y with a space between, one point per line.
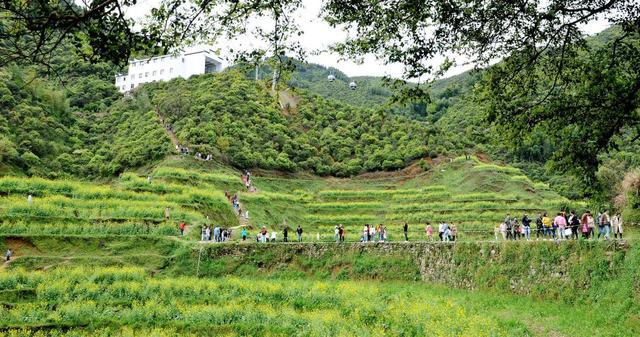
133 77
131 85
146 74
183 60
140 75
154 73
161 71
170 70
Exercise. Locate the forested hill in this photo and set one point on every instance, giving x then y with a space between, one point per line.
90 130
84 129
240 119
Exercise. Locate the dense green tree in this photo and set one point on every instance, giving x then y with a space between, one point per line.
240 119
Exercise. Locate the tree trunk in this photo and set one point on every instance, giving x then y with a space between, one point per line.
274 80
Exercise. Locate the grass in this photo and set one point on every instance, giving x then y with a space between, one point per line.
229 304
129 205
138 285
474 195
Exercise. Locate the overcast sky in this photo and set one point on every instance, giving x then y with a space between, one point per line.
318 35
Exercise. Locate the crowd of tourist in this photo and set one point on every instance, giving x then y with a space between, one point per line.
561 227
264 236
219 234
371 233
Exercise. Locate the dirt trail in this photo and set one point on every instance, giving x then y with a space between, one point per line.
287 97
170 133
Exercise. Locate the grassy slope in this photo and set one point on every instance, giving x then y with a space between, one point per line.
298 285
473 195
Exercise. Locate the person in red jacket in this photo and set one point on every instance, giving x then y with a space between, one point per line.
182 226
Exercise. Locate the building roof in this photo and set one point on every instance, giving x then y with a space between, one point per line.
189 51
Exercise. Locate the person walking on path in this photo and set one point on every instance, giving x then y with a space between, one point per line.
616 224
8 254
285 233
574 224
592 225
244 234
182 227
429 230
405 229
509 224
446 234
539 227
299 233
208 233
453 232
30 200
546 221
526 224
607 224
264 235
503 231
441 231
560 223
167 213
603 222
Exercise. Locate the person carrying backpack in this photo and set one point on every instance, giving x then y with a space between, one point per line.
603 222
539 227
574 224
606 221
509 224
526 224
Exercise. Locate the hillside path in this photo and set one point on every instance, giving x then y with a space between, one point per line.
170 133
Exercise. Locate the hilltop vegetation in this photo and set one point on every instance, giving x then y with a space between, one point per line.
85 130
238 118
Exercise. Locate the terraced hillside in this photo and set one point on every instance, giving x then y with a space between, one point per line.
473 195
129 205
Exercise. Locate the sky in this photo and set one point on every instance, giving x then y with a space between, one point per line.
318 35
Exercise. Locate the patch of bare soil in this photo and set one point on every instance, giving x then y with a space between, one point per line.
20 246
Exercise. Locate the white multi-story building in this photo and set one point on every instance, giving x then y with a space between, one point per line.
163 68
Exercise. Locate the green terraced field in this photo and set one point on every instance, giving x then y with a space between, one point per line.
473 195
